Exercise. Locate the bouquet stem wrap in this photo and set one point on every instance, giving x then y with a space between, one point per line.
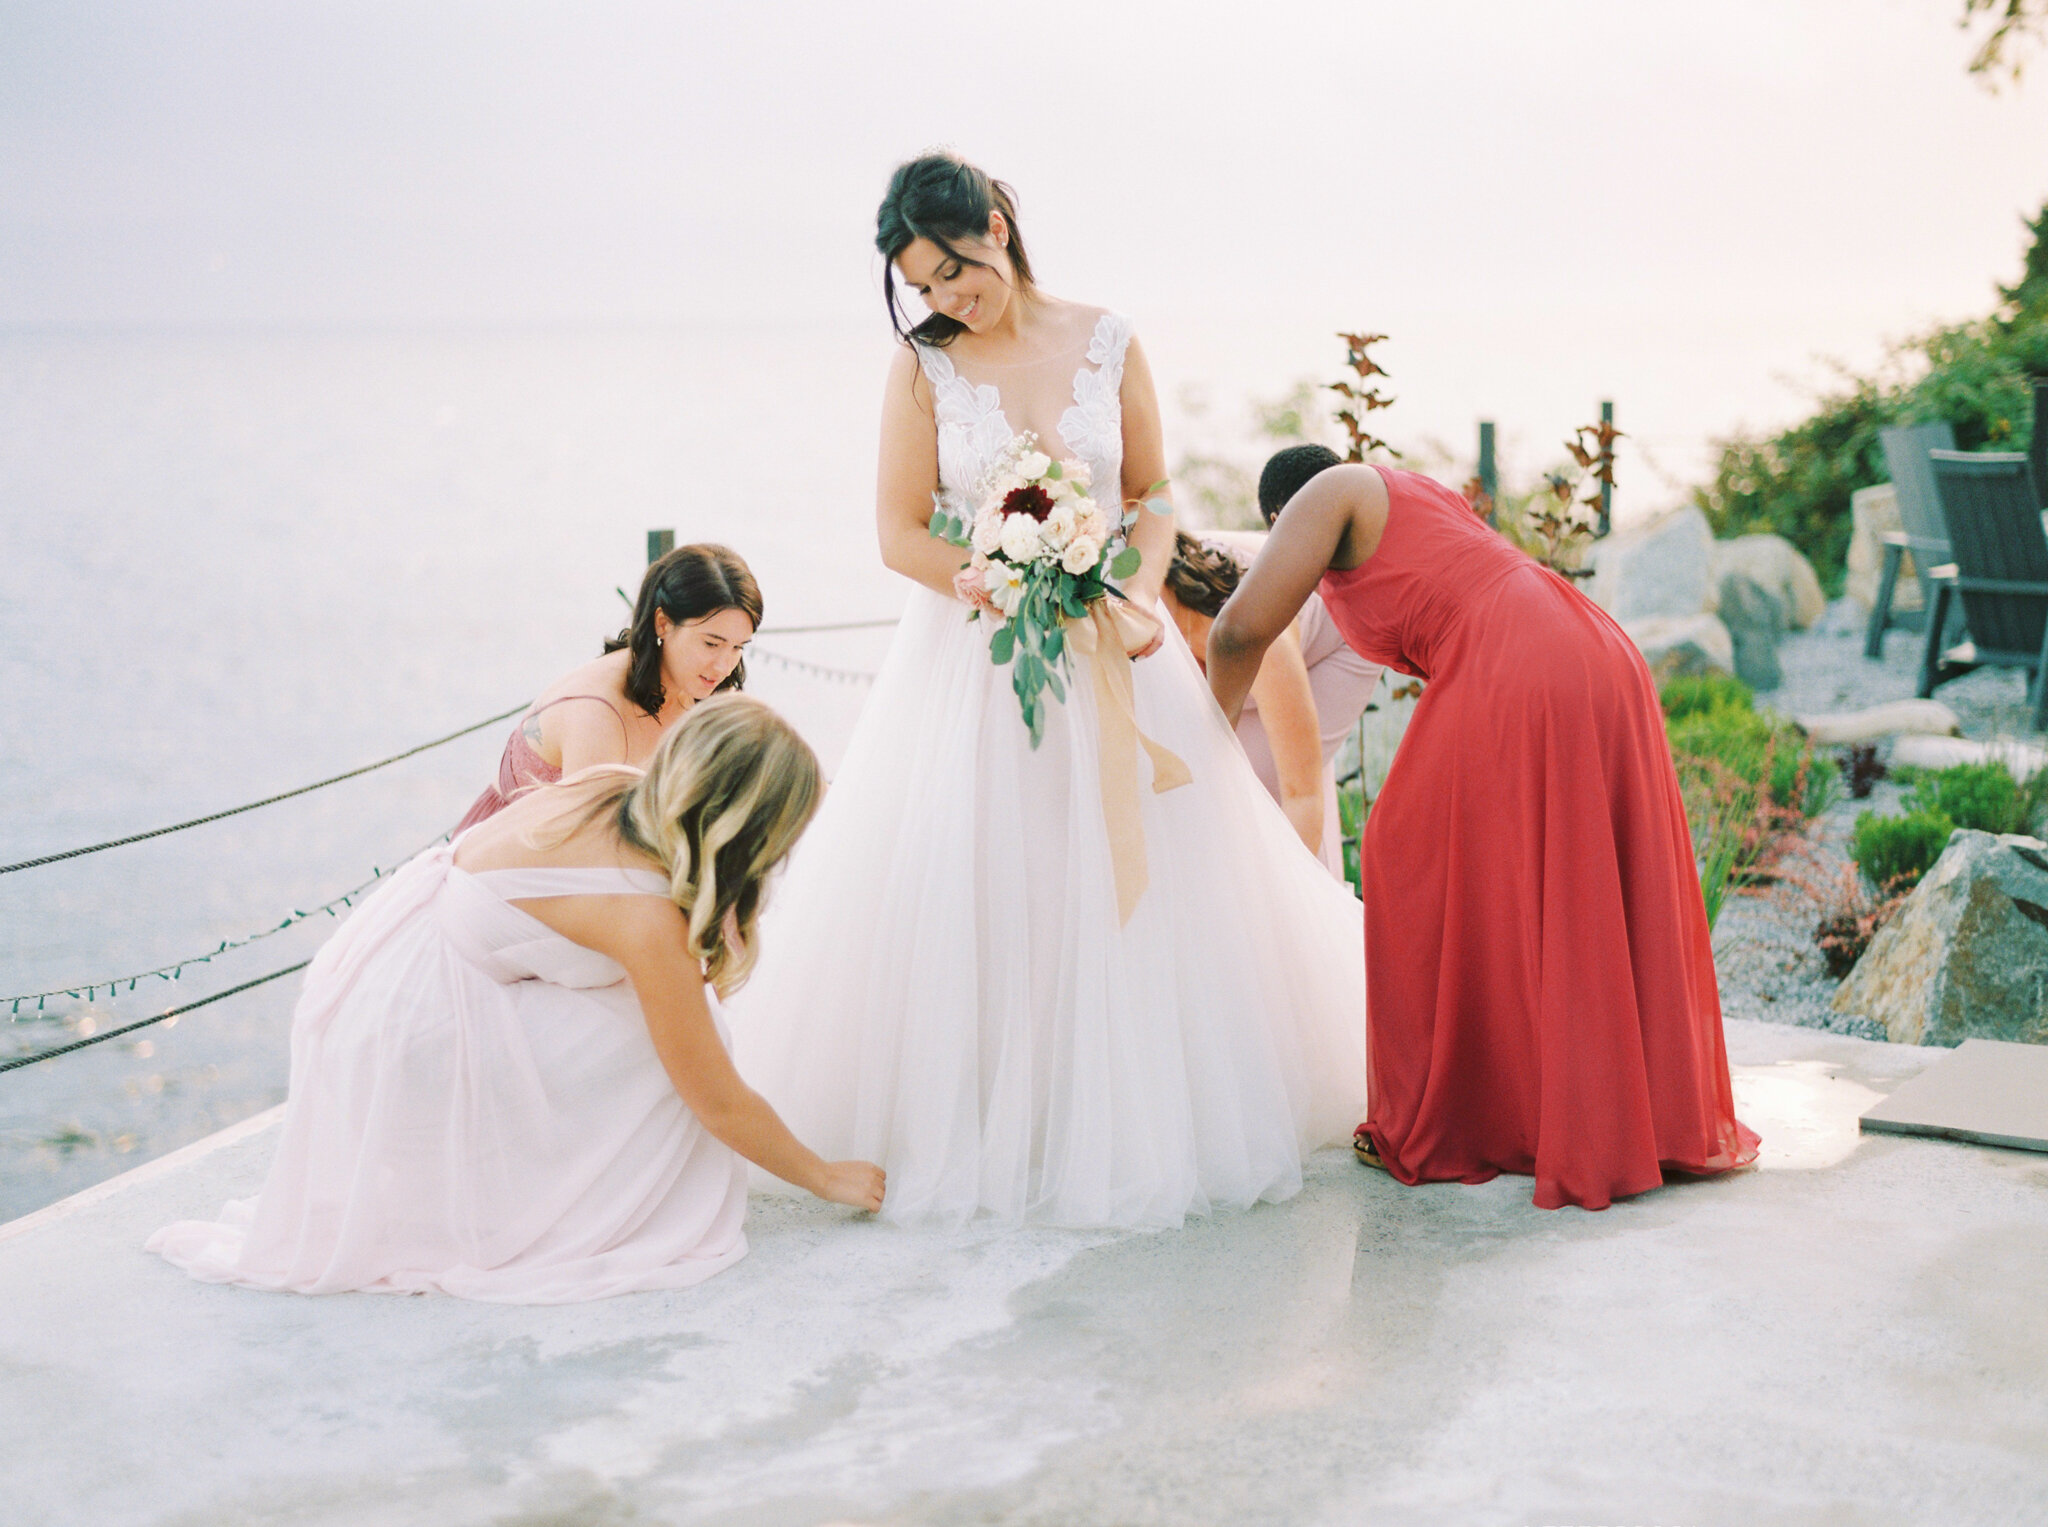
1101 640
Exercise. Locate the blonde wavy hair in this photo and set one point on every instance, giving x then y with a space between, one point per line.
722 802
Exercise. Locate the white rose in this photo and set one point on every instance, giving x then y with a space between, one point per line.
1005 585
988 531
1022 540
1060 526
1077 474
1092 522
1082 553
1032 465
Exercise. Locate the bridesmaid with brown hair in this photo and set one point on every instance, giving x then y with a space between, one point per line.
1538 968
698 608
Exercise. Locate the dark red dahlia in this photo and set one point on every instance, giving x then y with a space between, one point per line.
1030 499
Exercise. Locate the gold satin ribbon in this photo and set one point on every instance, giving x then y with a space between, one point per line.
1112 627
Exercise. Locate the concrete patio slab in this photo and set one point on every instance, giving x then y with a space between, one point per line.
1990 1091
1853 1333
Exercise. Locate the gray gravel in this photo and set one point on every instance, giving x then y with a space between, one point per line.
1764 953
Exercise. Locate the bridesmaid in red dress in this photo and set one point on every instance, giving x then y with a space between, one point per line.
1538 970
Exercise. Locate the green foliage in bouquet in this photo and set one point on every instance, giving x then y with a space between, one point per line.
1031 637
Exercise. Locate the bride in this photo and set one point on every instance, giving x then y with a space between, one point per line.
948 988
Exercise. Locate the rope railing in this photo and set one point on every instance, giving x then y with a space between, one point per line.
268 800
142 1023
172 970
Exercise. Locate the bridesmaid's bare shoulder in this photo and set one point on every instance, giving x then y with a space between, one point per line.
1362 493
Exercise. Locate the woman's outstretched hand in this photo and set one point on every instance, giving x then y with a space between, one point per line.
857 1184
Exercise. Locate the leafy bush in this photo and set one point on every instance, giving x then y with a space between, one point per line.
1760 750
1894 852
1973 375
1697 694
1980 795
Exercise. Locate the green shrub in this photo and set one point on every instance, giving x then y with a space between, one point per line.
1980 795
1894 852
1697 694
1759 750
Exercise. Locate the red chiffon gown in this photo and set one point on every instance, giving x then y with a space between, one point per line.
1539 976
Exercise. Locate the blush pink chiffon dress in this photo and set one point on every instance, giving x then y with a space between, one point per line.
1539 973
476 1108
521 769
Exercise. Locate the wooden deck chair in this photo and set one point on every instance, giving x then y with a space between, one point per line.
1999 575
1905 457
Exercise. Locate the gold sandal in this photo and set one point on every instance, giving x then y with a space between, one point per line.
1367 1153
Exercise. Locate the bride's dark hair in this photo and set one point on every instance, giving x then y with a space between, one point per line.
943 198
690 583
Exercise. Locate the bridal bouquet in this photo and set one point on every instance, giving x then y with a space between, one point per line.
1044 554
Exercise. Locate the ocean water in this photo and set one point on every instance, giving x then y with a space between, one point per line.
234 563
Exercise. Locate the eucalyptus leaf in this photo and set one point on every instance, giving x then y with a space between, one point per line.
1159 505
1054 644
1127 562
1055 472
1002 646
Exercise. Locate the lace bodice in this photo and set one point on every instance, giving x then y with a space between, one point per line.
973 427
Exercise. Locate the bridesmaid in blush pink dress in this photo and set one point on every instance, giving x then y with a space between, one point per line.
698 608
1538 968
509 1071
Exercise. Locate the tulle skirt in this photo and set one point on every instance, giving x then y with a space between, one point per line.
515 1141
945 988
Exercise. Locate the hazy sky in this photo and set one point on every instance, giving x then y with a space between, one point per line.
1683 202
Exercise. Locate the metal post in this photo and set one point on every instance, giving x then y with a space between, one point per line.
659 544
1606 490
1489 475
2037 448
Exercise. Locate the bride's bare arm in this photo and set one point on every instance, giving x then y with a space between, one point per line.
1145 465
1334 521
647 936
908 476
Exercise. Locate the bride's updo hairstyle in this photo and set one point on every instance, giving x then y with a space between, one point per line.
1202 577
724 799
945 199
690 583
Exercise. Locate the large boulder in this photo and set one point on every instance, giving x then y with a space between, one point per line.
1683 644
1873 512
1755 621
1966 955
1662 569
1777 567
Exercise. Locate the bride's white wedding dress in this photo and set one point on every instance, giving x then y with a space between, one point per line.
944 987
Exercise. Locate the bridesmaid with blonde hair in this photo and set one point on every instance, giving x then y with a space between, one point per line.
509 1077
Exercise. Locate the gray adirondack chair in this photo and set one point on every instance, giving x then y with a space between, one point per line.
1999 575
1905 457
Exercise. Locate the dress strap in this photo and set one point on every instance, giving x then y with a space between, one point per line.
1106 347
600 699
936 363
549 880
